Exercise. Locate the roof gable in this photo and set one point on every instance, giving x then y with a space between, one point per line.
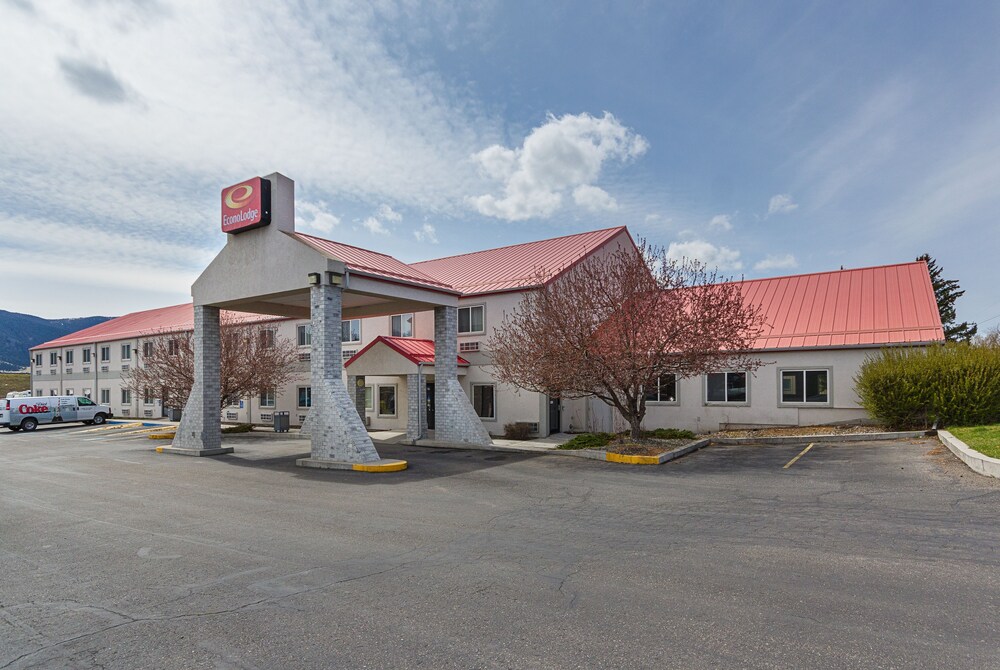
414 350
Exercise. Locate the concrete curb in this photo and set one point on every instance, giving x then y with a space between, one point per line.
384 465
850 437
980 463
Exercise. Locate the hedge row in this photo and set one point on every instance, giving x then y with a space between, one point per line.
951 384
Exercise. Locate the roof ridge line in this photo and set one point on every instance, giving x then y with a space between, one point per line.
519 244
828 272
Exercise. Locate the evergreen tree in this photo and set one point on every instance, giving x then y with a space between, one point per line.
946 291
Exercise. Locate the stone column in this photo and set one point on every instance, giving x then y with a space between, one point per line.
337 433
455 420
416 410
200 430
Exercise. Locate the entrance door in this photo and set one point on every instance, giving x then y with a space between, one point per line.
430 405
555 415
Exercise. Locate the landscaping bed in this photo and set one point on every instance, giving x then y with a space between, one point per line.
984 439
652 443
800 430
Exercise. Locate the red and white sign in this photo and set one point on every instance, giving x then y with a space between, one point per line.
246 205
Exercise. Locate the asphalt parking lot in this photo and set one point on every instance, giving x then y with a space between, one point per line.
873 555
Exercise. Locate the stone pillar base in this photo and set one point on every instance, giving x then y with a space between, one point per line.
194 452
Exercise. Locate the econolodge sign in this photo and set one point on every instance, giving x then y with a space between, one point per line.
246 205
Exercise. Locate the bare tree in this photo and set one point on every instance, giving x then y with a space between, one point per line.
614 323
253 359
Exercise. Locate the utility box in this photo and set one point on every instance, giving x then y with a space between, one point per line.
173 414
281 422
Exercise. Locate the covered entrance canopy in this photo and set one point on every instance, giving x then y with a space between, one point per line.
275 270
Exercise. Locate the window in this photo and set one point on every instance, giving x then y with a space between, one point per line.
147 396
267 338
87 393
53 358
387 400
53 392
147 349
105 396
267 398
85 402
402 325
126 352
68 392
105 354
173 347
483 400
305 396
86 355
304 334
369 395
126 397
350 330
664 390
38 360
39 393
726 387
68 356
470 319
806 386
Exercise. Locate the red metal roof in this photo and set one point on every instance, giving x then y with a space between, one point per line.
517 266
888 304
372 263
417 351
174 319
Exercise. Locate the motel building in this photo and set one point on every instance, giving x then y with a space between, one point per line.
386 345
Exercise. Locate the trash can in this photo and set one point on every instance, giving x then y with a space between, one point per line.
281 422
173 414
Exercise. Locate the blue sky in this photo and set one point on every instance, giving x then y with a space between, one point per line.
766 138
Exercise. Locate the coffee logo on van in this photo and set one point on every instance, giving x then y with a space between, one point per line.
246 205
32 409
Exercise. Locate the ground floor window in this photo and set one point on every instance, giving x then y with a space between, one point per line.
69 392
663 390
267 398
726 387
369 398
147 397
105 396
484 400
387 400
86 393
805 386
305 396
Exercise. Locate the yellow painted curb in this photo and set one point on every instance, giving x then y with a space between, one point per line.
159 450
632 460
161 436
153 430
116 426
395 466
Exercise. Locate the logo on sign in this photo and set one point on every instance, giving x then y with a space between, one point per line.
32 409
246 205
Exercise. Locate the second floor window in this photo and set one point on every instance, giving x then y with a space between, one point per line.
126 352
105 354
53 358
69 357
86 355
350 330
471 319
267 339
304 334
402 325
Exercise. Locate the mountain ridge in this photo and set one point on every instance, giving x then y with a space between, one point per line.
19 332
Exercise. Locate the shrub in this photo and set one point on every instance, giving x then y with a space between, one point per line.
954 384
238 428
517 431
588 441
669 434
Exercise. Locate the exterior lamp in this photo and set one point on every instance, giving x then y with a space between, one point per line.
314 278
335 278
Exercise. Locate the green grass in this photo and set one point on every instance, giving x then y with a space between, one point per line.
984 439
17 381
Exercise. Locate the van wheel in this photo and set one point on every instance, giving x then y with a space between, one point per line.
100 418
29 424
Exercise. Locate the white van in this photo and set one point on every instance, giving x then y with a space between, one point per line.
28 413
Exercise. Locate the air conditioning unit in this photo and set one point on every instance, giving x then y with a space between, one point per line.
124 367
104 368
349 353
305 357
468 346
69 371
126 412
147 413
266 418
232 416
86 370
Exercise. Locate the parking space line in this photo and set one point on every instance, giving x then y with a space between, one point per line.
800 455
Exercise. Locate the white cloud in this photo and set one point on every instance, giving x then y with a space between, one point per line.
426 233
775 262
562 155
386 213
721 221
781 204
373 225
315 216
652 218
712 256
594 198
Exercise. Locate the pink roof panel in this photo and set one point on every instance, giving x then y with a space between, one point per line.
516 267
888 304
417 351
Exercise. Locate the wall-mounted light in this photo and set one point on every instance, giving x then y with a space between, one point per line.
336 279
314 278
